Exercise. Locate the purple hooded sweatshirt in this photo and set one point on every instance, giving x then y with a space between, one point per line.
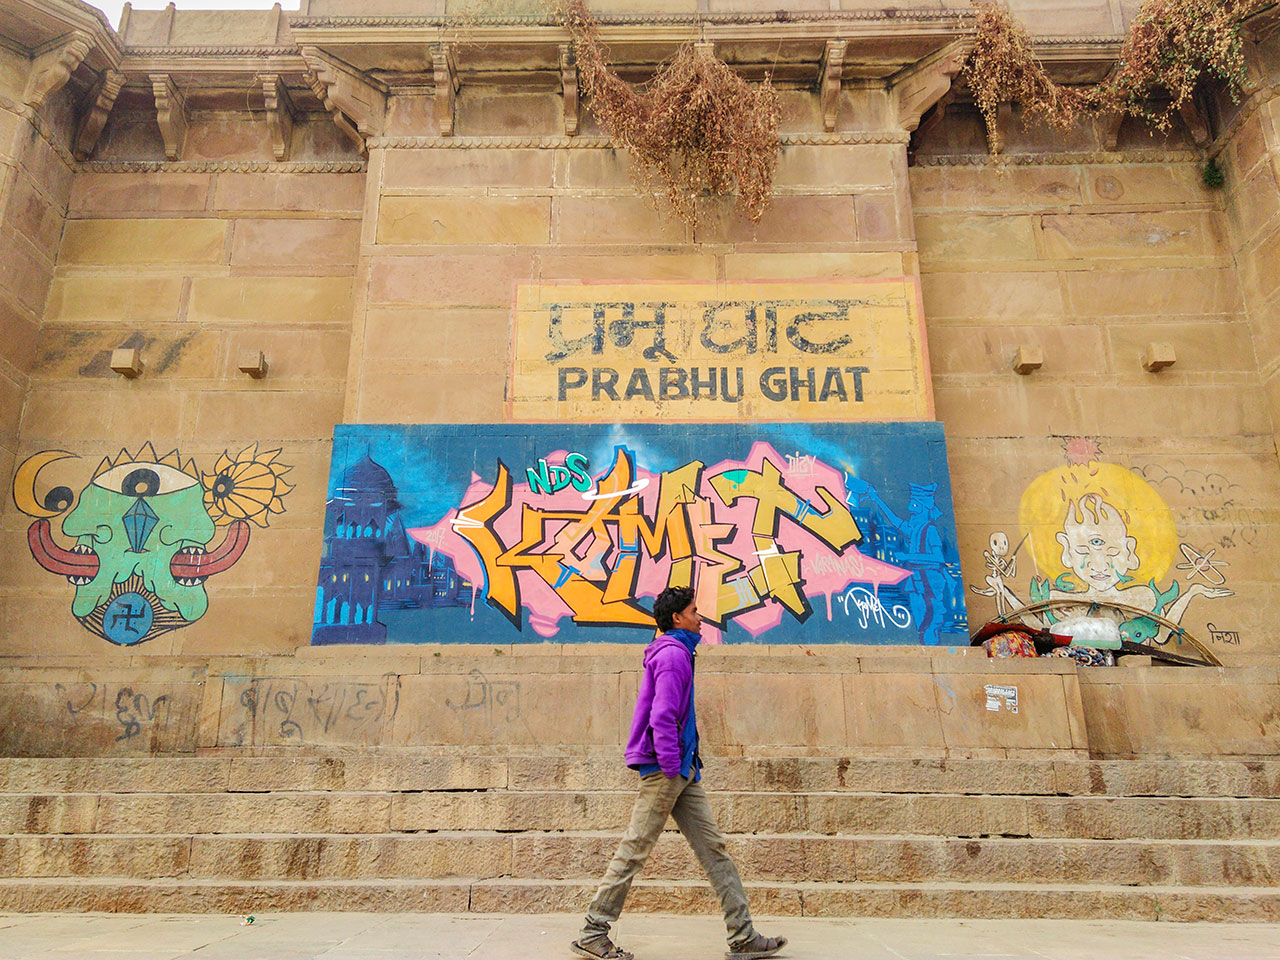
664 734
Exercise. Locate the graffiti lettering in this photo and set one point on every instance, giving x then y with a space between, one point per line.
596 520
739 560
869 609
549 479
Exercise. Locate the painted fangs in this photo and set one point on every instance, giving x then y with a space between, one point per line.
79 581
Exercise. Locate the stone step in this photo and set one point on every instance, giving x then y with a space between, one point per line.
409 772
567 856
949 815
855 899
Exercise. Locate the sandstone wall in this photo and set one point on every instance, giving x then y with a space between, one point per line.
36 171
1250 159
1090 263
380 290
195 270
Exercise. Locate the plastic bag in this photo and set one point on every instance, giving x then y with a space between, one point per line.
1096 633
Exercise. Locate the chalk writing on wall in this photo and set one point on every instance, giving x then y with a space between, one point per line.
827 349
262 711
568 532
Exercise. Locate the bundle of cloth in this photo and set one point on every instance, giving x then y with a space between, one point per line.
1089 641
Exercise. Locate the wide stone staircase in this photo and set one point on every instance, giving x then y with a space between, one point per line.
457 831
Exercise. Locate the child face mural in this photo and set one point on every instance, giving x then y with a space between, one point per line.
142 529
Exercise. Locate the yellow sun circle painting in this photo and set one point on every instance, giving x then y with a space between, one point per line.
1100 522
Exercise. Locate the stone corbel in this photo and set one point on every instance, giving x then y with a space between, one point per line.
357 106
1197 122
829 76
171 114
933 118
101 100
1108 127
280 113
447 85
924 84
53 64
569 87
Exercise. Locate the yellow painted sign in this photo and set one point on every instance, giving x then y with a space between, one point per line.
807 350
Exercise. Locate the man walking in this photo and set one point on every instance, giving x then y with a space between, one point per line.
663 749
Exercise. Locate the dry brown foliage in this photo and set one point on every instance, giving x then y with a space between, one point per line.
1171 48
1002 68
695 128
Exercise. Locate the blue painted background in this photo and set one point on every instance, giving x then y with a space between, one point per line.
380 584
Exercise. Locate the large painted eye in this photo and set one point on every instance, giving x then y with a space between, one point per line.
144 479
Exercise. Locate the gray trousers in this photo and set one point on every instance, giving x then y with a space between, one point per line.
685 800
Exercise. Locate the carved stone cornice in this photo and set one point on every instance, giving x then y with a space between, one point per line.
1058 159
101 99
53 20
830 72
53 64
569 89
224 166
357 104
606 143
212 51
645 19
445 77
280 113
918 88
171 114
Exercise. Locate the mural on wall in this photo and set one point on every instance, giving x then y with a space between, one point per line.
1098 532
142 528
788 533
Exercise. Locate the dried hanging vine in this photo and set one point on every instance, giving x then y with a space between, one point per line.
695 128
1171 48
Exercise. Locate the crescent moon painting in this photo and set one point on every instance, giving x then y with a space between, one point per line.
24 483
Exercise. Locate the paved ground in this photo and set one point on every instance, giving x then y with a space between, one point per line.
345 936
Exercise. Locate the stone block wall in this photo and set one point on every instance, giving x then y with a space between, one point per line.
1091 263
374 270
36 171
195 270
1250 159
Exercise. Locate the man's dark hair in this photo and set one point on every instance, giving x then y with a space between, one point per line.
670 602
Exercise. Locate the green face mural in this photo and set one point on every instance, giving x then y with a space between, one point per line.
142 528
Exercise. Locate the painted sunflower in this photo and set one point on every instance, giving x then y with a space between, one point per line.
248 487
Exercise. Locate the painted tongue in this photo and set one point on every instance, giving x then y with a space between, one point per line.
191 566
79 563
